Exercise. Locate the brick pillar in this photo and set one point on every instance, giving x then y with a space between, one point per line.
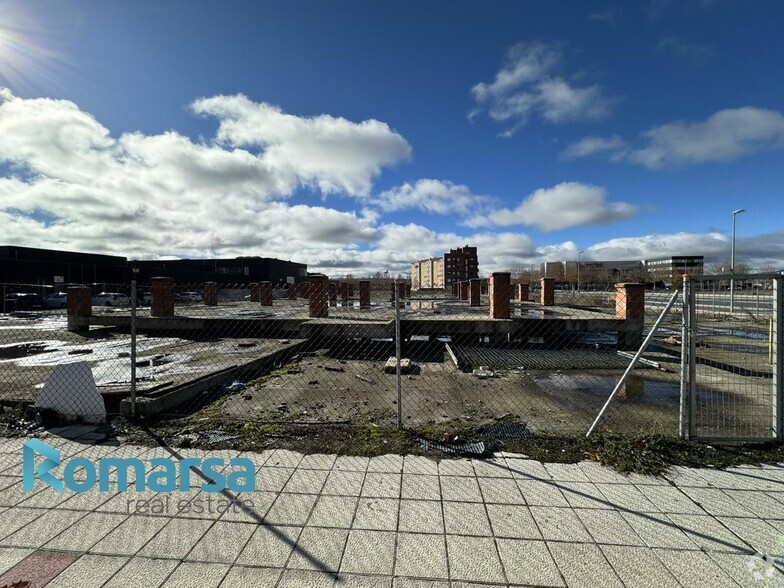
364 293
547 295
523 292
162 290
475 286
343 288
318 298
80 308
265 293
633 388
408 291
463 290
254 292
333 294
210 294
401 290
291 292
350 286
500 292
630 307
484 286
392 292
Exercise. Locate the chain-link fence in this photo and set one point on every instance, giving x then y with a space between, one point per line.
513 360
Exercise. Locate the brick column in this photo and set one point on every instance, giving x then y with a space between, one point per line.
630 307
364 293
318 298
484 286
343 288
408 291
162 290
210 294
254 292
302 289
401 291
80 308
463 290
392 292
475 286
547 295
500 292
523 291
265 293
333 293
350 286
291 291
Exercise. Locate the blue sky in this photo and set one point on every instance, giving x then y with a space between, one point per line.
356 136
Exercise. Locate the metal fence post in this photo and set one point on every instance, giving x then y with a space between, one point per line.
398 351
684 416
692 360
133 349
777 344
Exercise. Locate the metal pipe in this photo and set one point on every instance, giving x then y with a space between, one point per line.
398 352
133 349
684 379
732 261
692 307
634 362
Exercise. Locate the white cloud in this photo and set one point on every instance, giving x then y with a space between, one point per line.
568 204
333 154
528 85
433 196
725 136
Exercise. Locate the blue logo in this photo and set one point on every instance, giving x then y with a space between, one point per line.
166 475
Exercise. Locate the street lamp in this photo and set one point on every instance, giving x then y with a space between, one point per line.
735 214
579 253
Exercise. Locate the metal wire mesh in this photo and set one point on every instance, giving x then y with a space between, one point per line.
527 358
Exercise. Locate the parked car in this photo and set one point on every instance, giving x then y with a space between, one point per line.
190 297
56 300
23 301
111 299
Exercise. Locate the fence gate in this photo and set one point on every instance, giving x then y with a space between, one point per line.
732 356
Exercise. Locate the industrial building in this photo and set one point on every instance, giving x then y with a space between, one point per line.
660 271
667 271
458 265
238 270
48 267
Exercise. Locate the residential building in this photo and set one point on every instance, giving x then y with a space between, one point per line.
457 265
427 273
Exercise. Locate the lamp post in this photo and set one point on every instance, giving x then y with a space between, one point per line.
579 253
735 214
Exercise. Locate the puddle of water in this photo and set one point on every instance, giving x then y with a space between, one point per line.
637 388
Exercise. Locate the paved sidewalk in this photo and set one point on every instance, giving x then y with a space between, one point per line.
322 520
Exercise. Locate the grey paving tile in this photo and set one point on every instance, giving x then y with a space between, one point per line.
381 485
86 532
638 567
708 533
528 469
87 500
466 518
197 575
344 483
13 519
658 530
716 502
599 474
392 464
333 511
306 481
566 472
493 467
43 529
608 527
757 533
529 563
318 549
460 489
10 556
417 464
627 496
762 504
222 543
284 458
354 581
176 539
250 507
317 461
421 556
369 552
421 487
130 536
583 565
670 500
559 524
584 495
243 577
695 569
421 516
290 509
376 513
270 479
142 571
455 467
541 493
306 579
749 571
269 546
89 571
500 491
351 463
474 559
511 520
